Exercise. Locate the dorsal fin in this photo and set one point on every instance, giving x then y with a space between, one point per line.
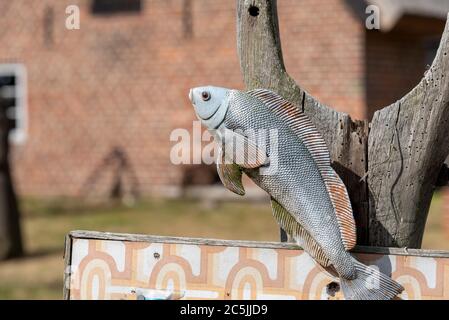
312 139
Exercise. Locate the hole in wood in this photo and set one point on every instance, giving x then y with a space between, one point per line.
253 11
332 288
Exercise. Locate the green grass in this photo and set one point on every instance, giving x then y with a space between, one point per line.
436 236
161 217
45 223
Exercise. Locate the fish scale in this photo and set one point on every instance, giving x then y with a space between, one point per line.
308 198
297 185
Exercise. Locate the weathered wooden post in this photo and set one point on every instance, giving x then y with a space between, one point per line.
389 166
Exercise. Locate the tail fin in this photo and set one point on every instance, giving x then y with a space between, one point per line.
370 284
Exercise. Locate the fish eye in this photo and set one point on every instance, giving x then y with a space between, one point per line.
205 95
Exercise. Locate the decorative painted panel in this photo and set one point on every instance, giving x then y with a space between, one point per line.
154 269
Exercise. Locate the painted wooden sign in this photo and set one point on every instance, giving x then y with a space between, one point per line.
122 266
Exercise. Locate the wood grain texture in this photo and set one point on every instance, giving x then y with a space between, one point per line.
67 266
399 154
408 144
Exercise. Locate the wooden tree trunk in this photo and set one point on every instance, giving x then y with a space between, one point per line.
10 235
389 166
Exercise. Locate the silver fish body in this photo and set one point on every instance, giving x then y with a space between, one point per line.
296 183
308 198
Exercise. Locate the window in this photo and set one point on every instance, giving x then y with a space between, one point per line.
13 99
116 6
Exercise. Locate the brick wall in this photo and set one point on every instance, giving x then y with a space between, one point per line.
104 99
324 46
119 82
396 61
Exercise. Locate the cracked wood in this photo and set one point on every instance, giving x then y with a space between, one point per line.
391 166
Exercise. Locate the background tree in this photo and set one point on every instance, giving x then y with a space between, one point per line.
10 235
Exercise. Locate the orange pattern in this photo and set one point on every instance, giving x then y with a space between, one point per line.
110 269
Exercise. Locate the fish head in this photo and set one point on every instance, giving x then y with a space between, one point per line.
210 104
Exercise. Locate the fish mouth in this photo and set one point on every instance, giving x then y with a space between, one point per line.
203 118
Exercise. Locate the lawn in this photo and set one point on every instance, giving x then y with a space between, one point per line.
45 223
39 275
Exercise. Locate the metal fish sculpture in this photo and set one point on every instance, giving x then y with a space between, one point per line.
309 200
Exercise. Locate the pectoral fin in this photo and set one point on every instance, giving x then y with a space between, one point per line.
243 151
230 174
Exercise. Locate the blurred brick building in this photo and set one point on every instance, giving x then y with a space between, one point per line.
99 103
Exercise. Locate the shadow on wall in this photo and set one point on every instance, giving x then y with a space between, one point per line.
122 182
199 175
